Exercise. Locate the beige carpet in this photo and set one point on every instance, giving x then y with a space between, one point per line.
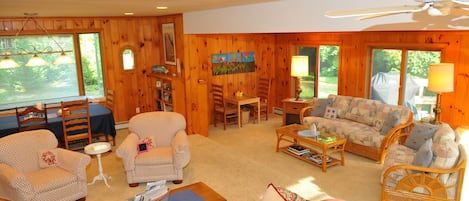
240 162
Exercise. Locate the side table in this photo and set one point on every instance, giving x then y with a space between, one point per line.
292 108
97 149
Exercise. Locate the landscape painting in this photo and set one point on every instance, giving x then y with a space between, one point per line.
230 63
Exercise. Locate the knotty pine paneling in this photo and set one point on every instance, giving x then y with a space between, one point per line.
354 70
142 34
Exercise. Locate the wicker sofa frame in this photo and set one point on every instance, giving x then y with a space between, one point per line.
369 152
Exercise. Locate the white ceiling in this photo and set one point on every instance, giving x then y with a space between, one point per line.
66 8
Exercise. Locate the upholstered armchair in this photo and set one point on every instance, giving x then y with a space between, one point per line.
33 168
165 150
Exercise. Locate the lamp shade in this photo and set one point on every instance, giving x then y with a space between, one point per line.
299 66
7 62
441 78
36 61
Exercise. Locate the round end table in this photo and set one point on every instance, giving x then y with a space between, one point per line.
97 149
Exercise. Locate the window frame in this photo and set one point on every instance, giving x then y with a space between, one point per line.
404 48
78 60
317 45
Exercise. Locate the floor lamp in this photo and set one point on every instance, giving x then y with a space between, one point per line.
440 80
299 68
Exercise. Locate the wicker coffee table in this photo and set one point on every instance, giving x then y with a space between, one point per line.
322 146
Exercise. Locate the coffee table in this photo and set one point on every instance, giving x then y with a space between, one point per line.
201 189
324 149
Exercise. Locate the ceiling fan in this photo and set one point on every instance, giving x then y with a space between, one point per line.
433 7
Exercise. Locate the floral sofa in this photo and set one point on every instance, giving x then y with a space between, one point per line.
368 125
427 164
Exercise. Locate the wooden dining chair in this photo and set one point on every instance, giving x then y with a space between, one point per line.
109 104
263 92
31 118
76 124
110 99
222 111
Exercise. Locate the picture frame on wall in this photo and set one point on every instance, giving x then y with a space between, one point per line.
169 44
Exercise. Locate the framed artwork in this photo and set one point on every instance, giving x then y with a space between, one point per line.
169 44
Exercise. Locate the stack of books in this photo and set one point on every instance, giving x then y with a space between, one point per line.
317 158
298 149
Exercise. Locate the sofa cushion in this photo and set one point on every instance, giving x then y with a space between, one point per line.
444 131
389 123
159 155
355 132
362 110
320 106
48 179
341 104
383 111
446 154
397 155
424 154
420 133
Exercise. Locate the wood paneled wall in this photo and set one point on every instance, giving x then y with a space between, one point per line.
354 73
273 53
142 34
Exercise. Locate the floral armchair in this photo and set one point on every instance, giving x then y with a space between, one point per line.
33 168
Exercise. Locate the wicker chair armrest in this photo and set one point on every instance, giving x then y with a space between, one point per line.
395 134
304 112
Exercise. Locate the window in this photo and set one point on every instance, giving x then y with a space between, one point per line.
26 85
326 70
389 73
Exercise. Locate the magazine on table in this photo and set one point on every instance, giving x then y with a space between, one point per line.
298 150
154 191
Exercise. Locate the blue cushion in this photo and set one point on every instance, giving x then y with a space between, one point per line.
424 155
419 134
390 122
320 107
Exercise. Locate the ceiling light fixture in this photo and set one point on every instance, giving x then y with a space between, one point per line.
162 7
36 60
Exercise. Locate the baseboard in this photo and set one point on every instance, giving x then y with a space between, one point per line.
121 125
277 110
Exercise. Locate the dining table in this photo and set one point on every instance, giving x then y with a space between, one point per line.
101 121
244 100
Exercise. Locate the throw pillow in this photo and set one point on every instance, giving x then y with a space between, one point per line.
150 141
390 122
419 134
320 107
290 196
330 113
378 124
47 158
272 194
424 155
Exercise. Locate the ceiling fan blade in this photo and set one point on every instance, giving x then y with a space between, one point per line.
374 11
462 2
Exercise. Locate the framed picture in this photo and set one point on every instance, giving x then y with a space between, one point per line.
169 44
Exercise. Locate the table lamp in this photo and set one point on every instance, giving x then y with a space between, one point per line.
299 68
440 80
